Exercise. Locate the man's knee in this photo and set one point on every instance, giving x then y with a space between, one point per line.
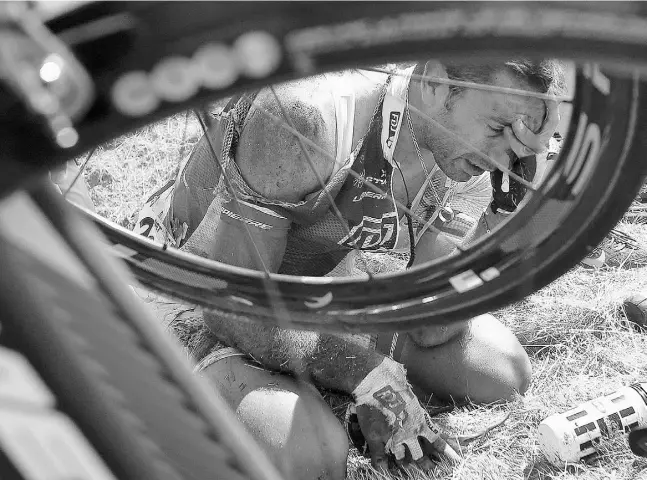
480 359
511 379
521 371
298 431
289 420
511 366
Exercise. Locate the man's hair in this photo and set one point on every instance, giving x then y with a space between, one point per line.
544 76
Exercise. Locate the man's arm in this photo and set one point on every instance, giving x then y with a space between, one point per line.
331 361
239 233
272 161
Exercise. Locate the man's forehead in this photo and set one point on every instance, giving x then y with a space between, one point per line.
505 108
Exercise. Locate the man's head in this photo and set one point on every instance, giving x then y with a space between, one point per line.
477 117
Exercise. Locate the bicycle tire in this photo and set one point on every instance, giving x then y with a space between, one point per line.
311 39
120 401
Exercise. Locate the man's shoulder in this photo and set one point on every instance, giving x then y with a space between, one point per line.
291 132
285 109
290 129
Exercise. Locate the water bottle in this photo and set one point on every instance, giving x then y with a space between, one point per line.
571 436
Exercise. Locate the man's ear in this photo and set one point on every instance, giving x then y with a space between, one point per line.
434 95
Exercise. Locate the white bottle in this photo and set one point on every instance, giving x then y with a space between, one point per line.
572 436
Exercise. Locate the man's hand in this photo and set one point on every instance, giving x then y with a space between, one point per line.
529 150
507 193
393 421
524 142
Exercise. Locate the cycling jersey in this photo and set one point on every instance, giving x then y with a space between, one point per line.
317 240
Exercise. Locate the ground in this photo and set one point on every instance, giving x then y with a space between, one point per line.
574 331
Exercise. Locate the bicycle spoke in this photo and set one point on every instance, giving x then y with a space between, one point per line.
465 143
333 205
354 174
491 162
80 172
257 252
269 284
278 305
279 309
180 156
478 86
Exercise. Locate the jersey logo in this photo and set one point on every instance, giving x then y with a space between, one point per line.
394 121
373 233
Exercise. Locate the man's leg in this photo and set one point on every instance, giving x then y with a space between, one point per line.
479 358
289 420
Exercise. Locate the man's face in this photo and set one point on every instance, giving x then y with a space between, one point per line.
478 117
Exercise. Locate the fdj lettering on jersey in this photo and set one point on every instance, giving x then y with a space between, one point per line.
394 121
372 216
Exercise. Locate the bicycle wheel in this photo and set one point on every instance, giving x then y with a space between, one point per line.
600 169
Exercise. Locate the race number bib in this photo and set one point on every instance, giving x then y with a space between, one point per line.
151 218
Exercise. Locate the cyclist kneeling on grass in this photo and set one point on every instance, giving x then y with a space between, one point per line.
416 140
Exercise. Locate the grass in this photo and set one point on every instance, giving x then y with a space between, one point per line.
574 331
